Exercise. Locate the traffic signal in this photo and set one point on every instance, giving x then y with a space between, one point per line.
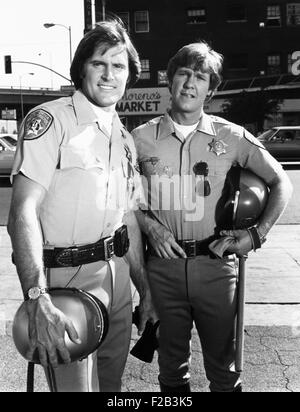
7 64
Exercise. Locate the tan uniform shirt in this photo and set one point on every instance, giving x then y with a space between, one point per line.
89 176
167 160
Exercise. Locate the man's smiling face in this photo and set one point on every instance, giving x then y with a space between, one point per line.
189 89
105 76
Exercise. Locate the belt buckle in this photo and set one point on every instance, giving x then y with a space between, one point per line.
109 249
189 246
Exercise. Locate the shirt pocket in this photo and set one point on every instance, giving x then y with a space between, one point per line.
219 168
217 174
80 158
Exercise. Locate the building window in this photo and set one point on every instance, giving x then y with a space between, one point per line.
141 19
124 16
238 61
274 64
293 14
196 16
236 13
145 75
162 78
273 16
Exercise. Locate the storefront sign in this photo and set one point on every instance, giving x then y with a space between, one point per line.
152 101
8 114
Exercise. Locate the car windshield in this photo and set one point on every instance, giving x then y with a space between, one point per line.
267 135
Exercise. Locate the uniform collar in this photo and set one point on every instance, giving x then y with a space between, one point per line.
86 115
166 126
206 125
83 109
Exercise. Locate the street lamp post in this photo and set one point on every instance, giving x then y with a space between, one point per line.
104 9
21 93
48 25
93 9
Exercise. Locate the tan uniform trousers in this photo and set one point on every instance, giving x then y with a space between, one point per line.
201 291
103 370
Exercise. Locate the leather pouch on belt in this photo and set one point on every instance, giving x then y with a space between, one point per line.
121 241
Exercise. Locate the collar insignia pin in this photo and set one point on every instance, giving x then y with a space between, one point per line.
218 147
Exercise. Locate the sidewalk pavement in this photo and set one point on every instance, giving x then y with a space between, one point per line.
272 319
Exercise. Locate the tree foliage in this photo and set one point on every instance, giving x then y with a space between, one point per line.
251 108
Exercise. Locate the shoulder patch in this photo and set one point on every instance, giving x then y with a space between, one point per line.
37 123
253 140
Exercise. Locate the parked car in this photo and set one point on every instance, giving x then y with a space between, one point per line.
283 143
7 153
10 139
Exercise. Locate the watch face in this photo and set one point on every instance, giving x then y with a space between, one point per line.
34 293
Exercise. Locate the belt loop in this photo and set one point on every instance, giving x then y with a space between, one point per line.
189 246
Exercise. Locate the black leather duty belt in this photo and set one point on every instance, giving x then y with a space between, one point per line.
81 255
193 248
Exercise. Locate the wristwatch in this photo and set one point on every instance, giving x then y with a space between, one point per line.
35 292
262 237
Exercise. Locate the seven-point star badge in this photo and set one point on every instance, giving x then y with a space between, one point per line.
218 147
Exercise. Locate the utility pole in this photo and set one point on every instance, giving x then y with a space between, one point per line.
21 92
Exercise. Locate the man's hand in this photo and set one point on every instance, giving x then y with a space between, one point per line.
241 242
164 243
146 312
47 327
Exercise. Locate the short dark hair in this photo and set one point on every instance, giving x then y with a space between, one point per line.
109 34
198 56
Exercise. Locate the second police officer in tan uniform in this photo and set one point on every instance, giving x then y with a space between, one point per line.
185 156
73 188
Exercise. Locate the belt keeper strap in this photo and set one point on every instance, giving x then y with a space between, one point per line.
253 233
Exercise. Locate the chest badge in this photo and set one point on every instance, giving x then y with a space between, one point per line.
218 147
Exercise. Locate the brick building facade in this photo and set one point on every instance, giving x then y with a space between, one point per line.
258 38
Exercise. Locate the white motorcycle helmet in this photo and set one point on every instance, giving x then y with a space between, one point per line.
87 313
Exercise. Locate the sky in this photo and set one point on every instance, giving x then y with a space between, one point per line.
23 36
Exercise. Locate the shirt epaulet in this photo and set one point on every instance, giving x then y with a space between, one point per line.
217 119
53 106
152 122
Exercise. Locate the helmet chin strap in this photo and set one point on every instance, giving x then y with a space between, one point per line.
235 206
51 379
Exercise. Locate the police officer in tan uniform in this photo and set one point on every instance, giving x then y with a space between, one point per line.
185 156
74 187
